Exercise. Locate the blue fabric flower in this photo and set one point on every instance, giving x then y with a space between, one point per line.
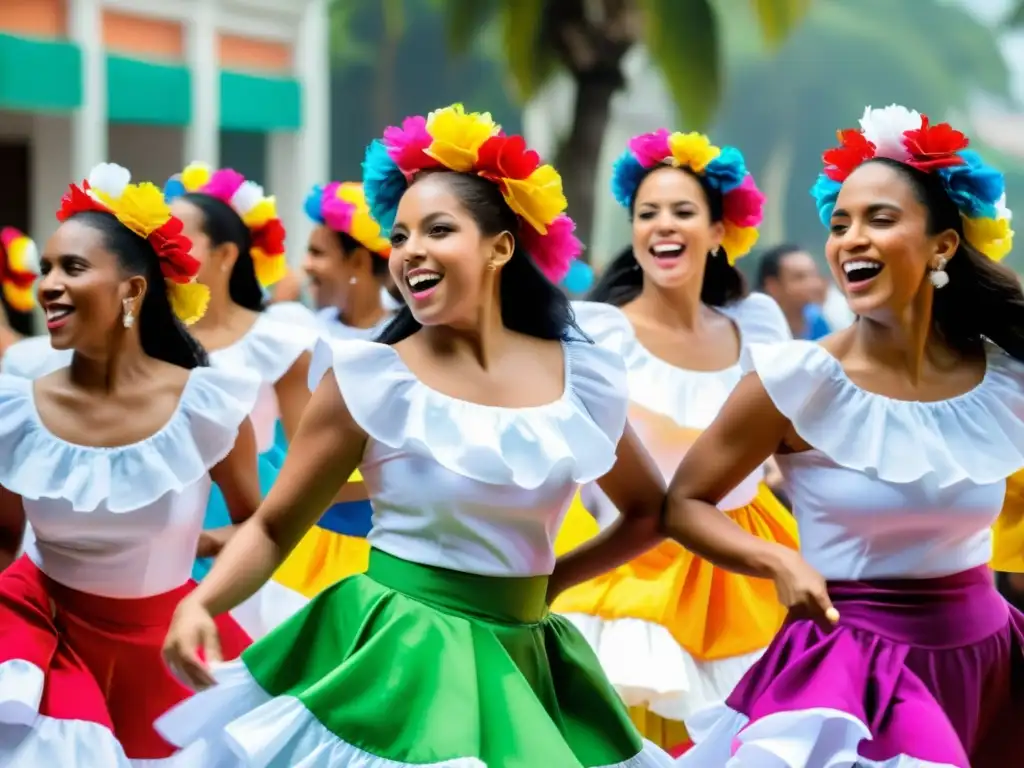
383 185
627 173
727 171
825 192
579 279
975 187
312 205
173 189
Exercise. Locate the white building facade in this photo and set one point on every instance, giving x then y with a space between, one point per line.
153 85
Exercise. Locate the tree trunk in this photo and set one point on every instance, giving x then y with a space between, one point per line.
579 154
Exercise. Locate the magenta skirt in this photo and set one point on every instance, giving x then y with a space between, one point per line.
925 669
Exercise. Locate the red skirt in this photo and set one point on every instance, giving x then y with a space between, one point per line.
71 656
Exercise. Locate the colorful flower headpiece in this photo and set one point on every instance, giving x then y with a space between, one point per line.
19 268
907 136
723 169
141 208
341 206
254 208
471 142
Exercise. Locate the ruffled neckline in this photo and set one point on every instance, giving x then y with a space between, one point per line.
576 434
691 398
200 432
270 348
977 436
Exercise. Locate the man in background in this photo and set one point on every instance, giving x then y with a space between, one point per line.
790 275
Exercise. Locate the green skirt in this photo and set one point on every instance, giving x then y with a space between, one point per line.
411 665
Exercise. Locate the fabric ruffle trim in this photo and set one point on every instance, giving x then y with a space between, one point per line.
201 432
270 348
519 446
976 437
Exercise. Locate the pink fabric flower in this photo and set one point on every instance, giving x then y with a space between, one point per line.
650 148
553 252
744 205
407 145
337 213
223 184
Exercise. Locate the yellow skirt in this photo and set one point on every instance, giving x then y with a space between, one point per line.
1008 529
710 613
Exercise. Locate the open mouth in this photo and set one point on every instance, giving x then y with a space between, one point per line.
666 253
57 315
861 271
423 282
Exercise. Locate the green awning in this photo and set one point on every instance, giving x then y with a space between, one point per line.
39 75
258 103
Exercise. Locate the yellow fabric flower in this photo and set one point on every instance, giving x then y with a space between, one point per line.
269 269
363 228
141 207
993 237
457 136
738 241
20 299
195 176
261 213
188 300
693 150
538 198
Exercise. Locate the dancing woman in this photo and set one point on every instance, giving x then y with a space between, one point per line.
673 632
474 420
895 437
347 262
239 242
111 459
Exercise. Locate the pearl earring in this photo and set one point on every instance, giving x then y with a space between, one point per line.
938 276
128 316
352 280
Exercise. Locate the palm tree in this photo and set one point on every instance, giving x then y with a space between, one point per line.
590 38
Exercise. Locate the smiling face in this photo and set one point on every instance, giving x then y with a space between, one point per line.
82 287
439 255
879 248
326 268
672 228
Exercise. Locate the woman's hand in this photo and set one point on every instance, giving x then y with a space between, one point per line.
803 590
192 644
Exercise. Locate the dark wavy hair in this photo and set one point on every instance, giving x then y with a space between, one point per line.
223 225
530 303
983 299
161 333
623 279
378 264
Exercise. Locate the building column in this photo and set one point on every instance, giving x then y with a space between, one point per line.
202 137
298 161
89 121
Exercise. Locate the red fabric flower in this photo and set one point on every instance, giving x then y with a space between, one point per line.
934 146
853 150
506 157
174 250
269 238
77 200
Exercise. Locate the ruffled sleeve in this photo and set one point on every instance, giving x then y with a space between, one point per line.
34 357
270 348
604 324
759 319
294 314
576 434
977 436
36 464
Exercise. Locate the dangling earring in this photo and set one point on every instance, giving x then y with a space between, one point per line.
716 252
128 316
490 266
938 276
352 280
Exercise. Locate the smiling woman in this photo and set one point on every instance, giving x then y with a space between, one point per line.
111 457
473 423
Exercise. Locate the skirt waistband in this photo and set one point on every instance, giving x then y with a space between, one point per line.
945 612
510 600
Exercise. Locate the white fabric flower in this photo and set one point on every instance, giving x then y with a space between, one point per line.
110 178
1002 212
30 257
247 197
884 128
